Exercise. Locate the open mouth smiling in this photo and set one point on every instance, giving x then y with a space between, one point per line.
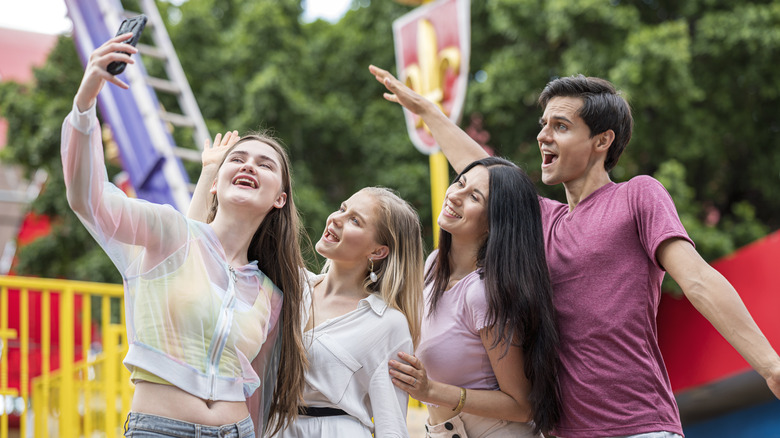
245 181
330 237
548 158
451 212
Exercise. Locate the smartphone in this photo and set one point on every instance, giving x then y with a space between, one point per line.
136 25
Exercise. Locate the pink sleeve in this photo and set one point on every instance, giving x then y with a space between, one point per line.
476 303
126 228
655 214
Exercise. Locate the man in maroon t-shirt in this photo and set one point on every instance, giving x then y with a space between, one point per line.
607 249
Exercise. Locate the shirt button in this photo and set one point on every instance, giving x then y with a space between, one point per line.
449 426
456 436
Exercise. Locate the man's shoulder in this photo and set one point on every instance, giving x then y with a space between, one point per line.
641 189
550 206
646 190
643 180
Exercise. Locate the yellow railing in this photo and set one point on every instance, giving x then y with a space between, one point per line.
84 398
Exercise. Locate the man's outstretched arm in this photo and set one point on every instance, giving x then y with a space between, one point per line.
717 300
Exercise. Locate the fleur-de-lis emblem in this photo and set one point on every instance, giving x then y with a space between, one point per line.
434 68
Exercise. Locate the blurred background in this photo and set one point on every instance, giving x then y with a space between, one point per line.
701 77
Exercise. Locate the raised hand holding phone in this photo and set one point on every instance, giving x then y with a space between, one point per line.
135 26
96 74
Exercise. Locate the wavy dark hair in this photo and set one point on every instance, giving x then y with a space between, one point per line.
512 263
276 247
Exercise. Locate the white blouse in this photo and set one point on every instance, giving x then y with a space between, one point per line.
348 368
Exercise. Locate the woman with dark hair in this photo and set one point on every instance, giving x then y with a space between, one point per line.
207 321
487 362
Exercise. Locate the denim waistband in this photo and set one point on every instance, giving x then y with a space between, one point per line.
138 422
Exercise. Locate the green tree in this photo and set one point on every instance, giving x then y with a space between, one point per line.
700 77
35 113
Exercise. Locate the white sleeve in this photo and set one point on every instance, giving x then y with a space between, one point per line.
388 402
121 225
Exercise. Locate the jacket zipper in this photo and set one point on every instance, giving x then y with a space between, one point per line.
220 338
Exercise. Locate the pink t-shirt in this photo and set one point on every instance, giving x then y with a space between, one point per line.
607 286
450 344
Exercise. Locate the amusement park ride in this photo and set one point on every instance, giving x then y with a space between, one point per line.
139 124
711 381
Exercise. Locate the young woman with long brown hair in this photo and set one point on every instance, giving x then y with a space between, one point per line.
203 301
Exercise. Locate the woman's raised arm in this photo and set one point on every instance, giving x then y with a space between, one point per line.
118 223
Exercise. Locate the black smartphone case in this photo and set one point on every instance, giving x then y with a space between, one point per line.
135 25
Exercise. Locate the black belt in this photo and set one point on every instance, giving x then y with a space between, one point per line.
320 412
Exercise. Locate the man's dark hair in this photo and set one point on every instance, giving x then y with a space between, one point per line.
603 108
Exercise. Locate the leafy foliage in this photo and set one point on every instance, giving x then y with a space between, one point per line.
701 77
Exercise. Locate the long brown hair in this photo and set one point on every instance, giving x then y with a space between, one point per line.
276 247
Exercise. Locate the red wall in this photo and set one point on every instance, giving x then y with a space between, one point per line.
694 352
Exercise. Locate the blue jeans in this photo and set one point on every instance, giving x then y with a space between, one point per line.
153 426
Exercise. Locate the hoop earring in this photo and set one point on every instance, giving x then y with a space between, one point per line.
372 275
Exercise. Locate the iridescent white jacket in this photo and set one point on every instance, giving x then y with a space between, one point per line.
191 322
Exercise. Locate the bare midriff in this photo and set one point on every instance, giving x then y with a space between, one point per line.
172 402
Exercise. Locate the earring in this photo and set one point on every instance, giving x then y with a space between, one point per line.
372 275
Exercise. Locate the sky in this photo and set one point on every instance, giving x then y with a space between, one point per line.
50 16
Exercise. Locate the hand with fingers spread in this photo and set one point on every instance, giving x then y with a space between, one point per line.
411 377
459 148
96 75
401 94
212 156
214 153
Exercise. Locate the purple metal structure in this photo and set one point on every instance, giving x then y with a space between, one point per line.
156 175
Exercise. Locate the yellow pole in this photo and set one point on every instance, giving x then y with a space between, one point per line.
111 365
440 179
86 341
24 377
5 336
42 415
68 412
108 356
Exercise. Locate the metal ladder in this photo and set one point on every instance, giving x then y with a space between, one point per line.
176 83
142 128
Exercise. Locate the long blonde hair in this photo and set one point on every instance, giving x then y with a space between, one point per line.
276 247
400 274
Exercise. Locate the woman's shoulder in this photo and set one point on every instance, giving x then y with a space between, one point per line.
394 317
472 283
389 319
472 287
431 258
